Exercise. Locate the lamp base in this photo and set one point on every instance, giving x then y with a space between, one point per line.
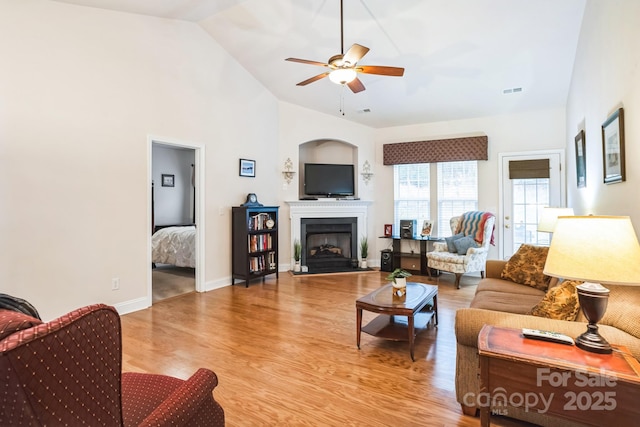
592 341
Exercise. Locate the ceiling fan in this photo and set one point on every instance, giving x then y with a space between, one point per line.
344 67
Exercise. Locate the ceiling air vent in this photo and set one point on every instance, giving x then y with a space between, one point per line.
512 90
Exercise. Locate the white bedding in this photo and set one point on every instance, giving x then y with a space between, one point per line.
175 245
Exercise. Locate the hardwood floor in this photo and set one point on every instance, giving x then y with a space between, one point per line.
285 353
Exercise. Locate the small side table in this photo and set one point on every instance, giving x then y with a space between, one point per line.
556 379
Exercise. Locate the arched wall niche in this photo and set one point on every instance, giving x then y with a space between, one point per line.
326 151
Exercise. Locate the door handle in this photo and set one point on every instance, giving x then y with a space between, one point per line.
506 226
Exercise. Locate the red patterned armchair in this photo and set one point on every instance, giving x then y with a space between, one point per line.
69 372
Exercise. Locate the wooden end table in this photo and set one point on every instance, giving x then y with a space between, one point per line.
413 306
556 379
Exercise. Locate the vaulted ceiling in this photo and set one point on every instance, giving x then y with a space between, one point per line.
462 58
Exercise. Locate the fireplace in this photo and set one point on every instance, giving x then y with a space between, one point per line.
329 244
326 209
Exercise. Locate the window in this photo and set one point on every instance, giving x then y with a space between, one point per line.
530 196
411 193
455 192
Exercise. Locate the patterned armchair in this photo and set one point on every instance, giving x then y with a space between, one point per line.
69 372
480 226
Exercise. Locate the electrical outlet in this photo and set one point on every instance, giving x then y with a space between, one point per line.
221 211
115 284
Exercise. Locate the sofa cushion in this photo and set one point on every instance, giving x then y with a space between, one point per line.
560 302
506 303
462 245
14 321
451 247
526 266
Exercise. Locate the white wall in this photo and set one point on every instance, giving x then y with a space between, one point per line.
81 89
173 205
606 76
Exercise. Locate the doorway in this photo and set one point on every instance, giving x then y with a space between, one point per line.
175 207
529 182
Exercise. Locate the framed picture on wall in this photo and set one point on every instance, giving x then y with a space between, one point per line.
613 148
581 160
168 180
247 168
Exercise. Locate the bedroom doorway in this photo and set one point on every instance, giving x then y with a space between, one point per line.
176 221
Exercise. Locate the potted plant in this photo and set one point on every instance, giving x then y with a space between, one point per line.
297 253
364 251
398 277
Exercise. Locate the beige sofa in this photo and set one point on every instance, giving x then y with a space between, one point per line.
504 303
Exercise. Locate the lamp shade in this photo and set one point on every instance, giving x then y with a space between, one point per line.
595 249
549 217
343 76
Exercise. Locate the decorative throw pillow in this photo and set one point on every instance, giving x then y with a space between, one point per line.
526 265
560 302
463 244
450 245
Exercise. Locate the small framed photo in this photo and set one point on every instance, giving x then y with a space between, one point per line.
248 168
613 148
388 230
168 180
581 160
427 226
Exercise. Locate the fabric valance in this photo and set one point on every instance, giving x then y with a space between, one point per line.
436 150
525 169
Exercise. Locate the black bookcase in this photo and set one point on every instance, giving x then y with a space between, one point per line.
254 242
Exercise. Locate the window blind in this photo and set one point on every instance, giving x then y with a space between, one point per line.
525 169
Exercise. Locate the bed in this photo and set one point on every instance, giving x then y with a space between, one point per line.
174 245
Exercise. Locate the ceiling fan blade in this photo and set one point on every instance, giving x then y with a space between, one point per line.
306 61
381 70
356 85
355 53
313 79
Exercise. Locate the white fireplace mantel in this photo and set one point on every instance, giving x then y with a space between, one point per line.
327 208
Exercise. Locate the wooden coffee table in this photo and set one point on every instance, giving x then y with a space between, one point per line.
413 307
556 379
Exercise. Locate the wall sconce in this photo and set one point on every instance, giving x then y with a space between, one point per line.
366 172
288 171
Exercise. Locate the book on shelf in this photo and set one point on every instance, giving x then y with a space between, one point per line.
260 242
257 222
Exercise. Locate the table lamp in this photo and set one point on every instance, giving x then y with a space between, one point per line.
549 217
594 249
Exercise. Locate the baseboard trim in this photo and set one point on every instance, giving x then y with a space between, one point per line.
133 305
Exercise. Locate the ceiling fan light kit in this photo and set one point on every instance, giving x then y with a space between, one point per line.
343 76
344 68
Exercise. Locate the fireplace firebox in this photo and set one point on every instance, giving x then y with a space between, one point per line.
329 244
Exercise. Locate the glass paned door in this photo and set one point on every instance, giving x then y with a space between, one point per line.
523 200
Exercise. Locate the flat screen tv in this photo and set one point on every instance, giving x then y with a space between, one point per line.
329 180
